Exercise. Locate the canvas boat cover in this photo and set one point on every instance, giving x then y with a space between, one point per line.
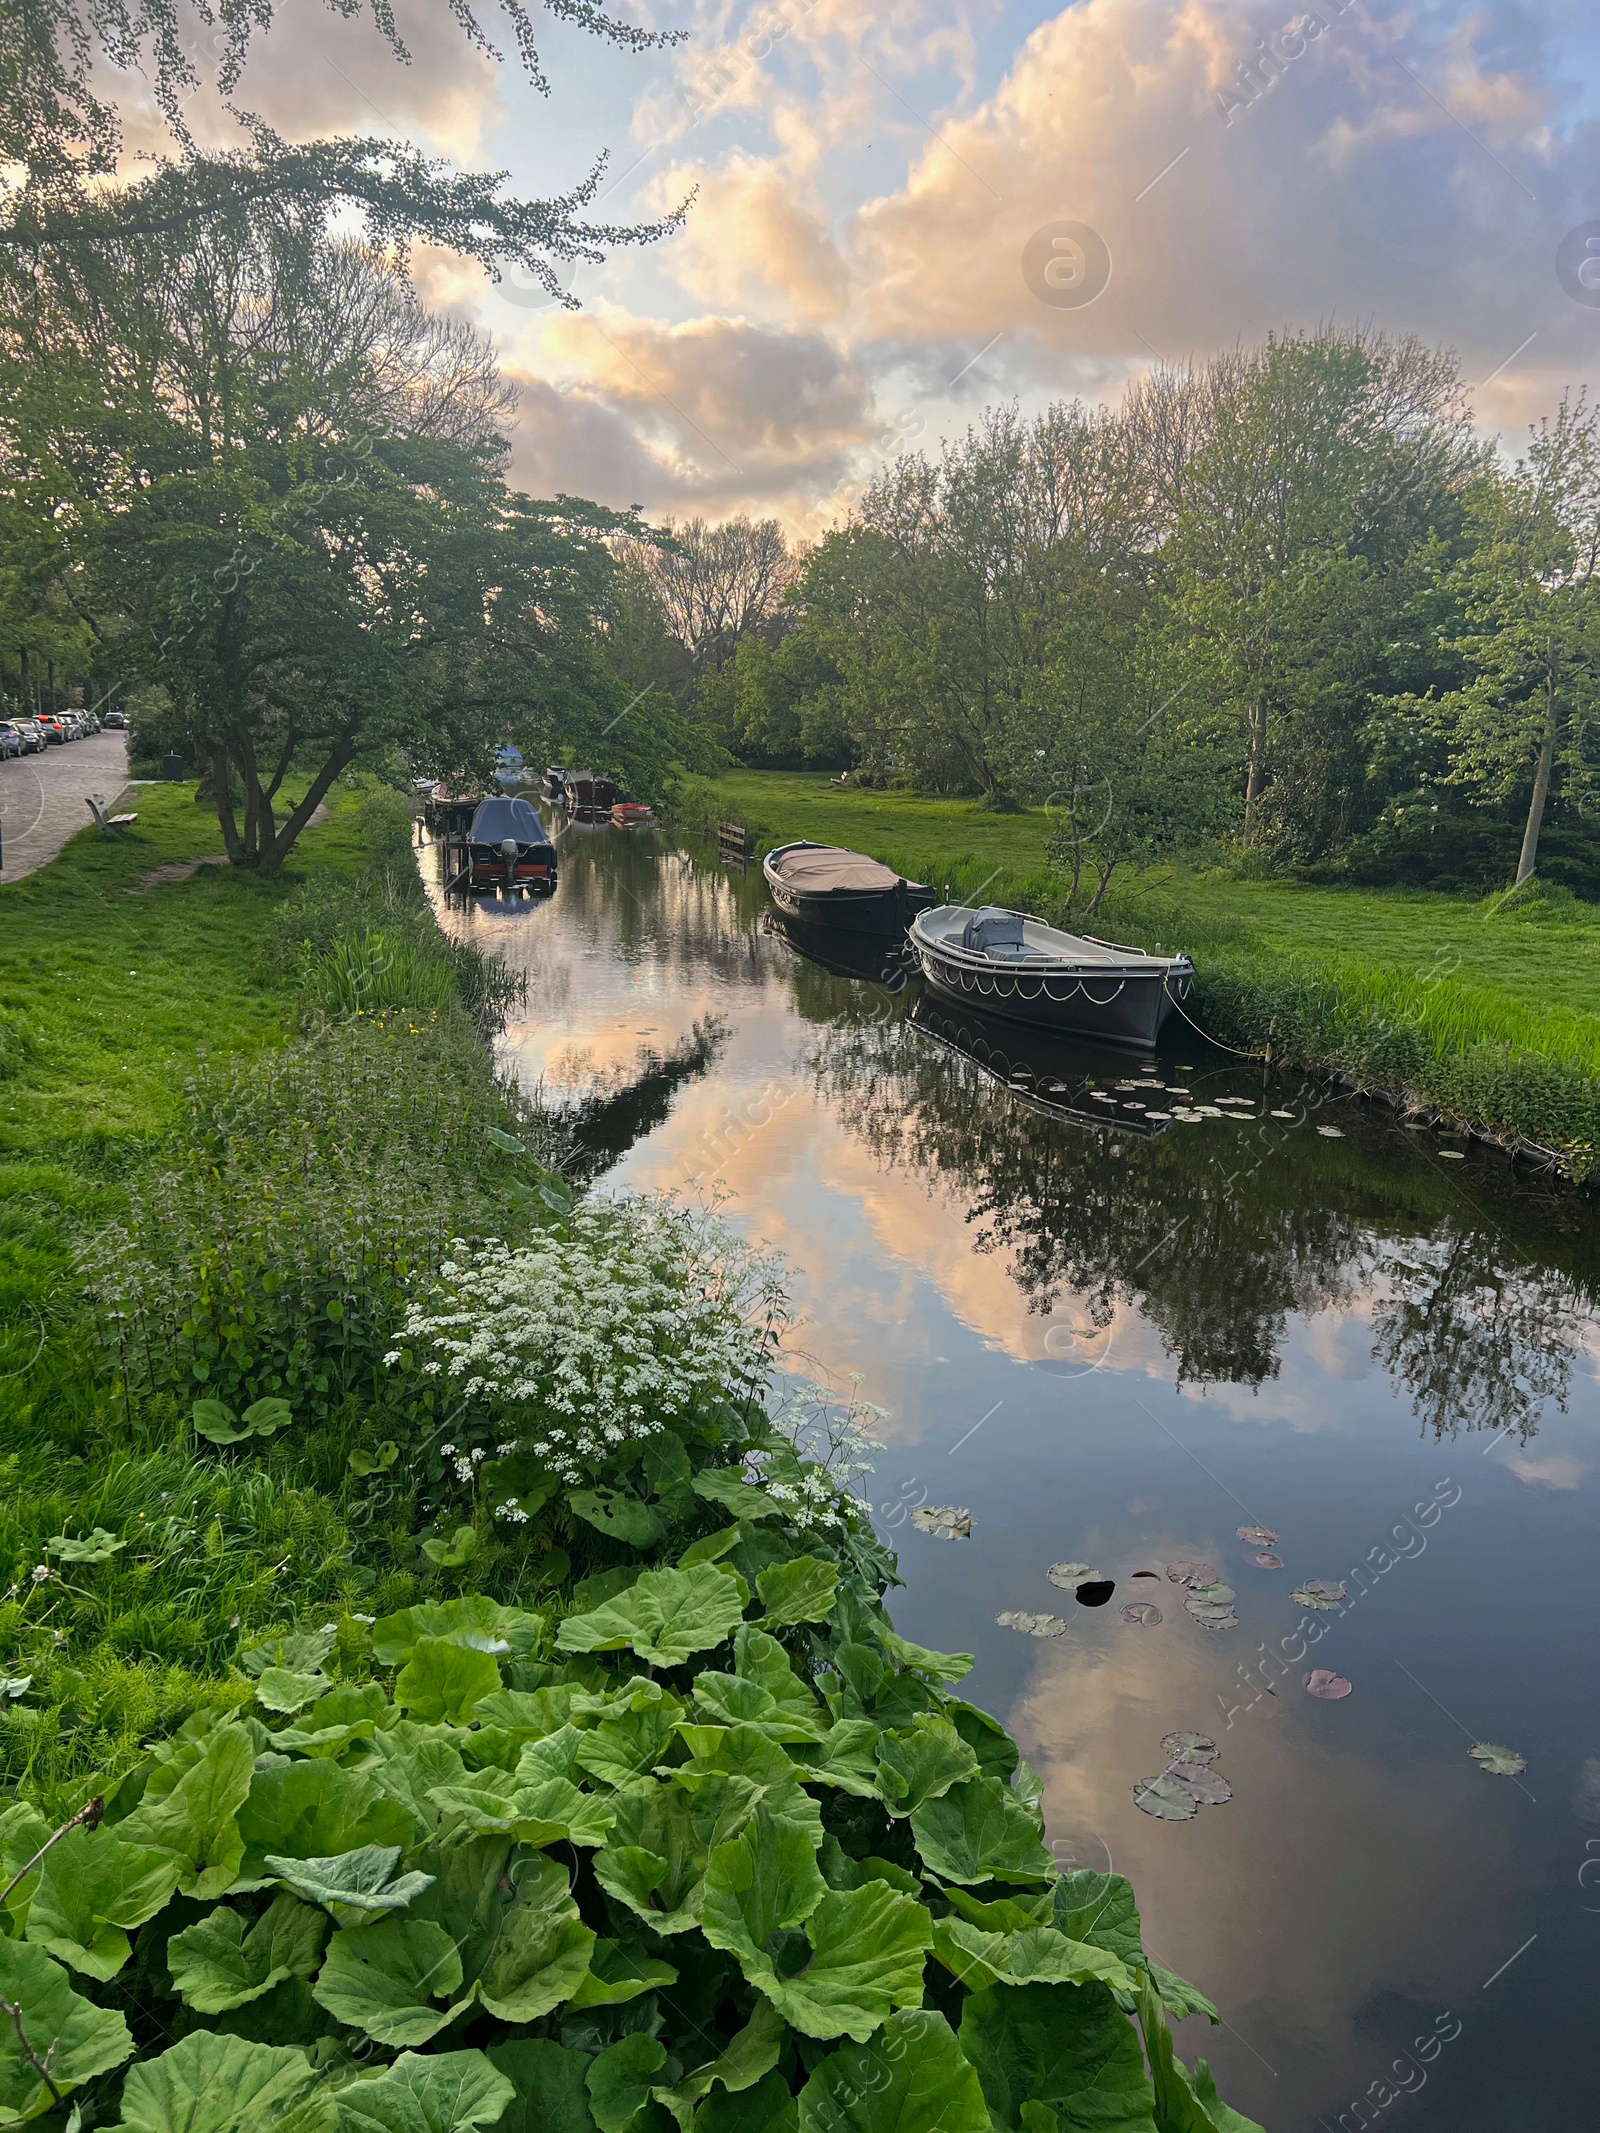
498 819
827 869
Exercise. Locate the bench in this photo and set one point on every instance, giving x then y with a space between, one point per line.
107 825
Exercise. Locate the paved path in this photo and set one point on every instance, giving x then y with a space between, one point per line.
42 798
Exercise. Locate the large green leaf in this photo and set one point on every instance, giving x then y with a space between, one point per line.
631 1738
980 1831
549 1810
342 1715
1033 1955
760 1658
406 1769
1068 2047
354 1886
80 2039
279 1688
802 1590
619 1971
985 1736
618 1515
447 2092
912 2078
739 2066
1182 2104
769 2107
745 1751
211 2083
217 1965
921 1763
868 1948
473 1620
23 1832
655 1856
727 1486
443 1679
541 1953
664 1616
195 1821
619 2080
943 1666
1100 1908
731 1700
383 1979
93 1888
314 1809
847 1757
759 1883
549 2082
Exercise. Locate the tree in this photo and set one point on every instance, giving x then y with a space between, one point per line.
717 584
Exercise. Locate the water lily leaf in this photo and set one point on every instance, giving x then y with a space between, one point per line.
761 1882
920 1763
195 1821
978 1831
654 1857
728 1487
354 1886
910 2078
945 1521
96 1547
1071 1575
213 2083
1095 1592
1320 1593
619 1972
1166 1799
619 2080
541 1953
93 1888
1321 1681
1143 1614
446 2092
1498 1761
1193 1574
317 1809
618 1515
1262 1536
451 1554
1209 1787
664 1616
1032 1625
1266 1560
1069 2048
868 1949
381 1978
443 1680
82 2039
218 1965
1189 1748
801 1590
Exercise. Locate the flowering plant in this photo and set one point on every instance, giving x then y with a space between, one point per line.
620 1322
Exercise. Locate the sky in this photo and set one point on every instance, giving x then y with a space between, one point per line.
900 215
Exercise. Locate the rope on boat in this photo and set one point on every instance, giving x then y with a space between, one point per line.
1265 1056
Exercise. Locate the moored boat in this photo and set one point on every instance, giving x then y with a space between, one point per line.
825 885
587 792
507 848
1010 964
632 814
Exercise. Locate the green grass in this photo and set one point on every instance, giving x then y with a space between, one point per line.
1487 1011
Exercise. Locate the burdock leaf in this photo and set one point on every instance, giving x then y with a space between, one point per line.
1067 2047
446 2092
912 2077
214 2083
979 1831
443 1680
922 1762
382 1978
664 1616
217 1965
195 1821
81 2039
761 1882
541 1952
727 1486
93 1889
868 1948
802 1590
619 1971
618 1515
354 1886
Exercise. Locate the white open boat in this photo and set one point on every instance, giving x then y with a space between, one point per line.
1011 964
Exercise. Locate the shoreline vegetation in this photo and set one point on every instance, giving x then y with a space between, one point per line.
437 1693
1474 1015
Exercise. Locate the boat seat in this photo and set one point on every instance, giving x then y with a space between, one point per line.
998 934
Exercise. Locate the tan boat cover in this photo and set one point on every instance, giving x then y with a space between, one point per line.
828 867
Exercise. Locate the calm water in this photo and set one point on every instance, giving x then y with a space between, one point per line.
1115 1345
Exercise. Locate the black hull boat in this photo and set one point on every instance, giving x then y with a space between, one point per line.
825 886
1008 964
869 959
589 792
507 849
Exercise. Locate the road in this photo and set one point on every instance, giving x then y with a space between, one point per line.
42 798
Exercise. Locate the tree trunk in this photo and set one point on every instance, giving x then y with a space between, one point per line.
1257 777
283 843
1529 857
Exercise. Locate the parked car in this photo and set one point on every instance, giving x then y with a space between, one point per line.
32 735
117 721
54 731
10 737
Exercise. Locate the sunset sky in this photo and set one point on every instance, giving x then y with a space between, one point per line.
850 277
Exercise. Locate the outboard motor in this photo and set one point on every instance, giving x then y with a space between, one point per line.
508 852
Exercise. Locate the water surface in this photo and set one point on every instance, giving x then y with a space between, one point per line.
1115 1343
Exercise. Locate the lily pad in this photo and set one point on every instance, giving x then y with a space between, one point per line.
1193 1574
1095 1592
1143 1614
1330 1133
945 1521
1499 1762
1032 1625
1320 1593
1266 1560
1166 1799
1189 1747
1212 1606
1206 1785
1147 1573
1069 1576
1322 1681
1283 1114
1263 1536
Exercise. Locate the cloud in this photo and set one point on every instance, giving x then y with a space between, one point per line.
756 240
1547 1470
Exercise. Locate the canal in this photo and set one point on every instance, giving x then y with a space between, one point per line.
1115 1338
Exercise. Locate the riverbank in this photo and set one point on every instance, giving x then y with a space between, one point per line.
1475 1015
287 1598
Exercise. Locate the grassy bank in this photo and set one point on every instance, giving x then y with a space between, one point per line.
435 1694
1484 1012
